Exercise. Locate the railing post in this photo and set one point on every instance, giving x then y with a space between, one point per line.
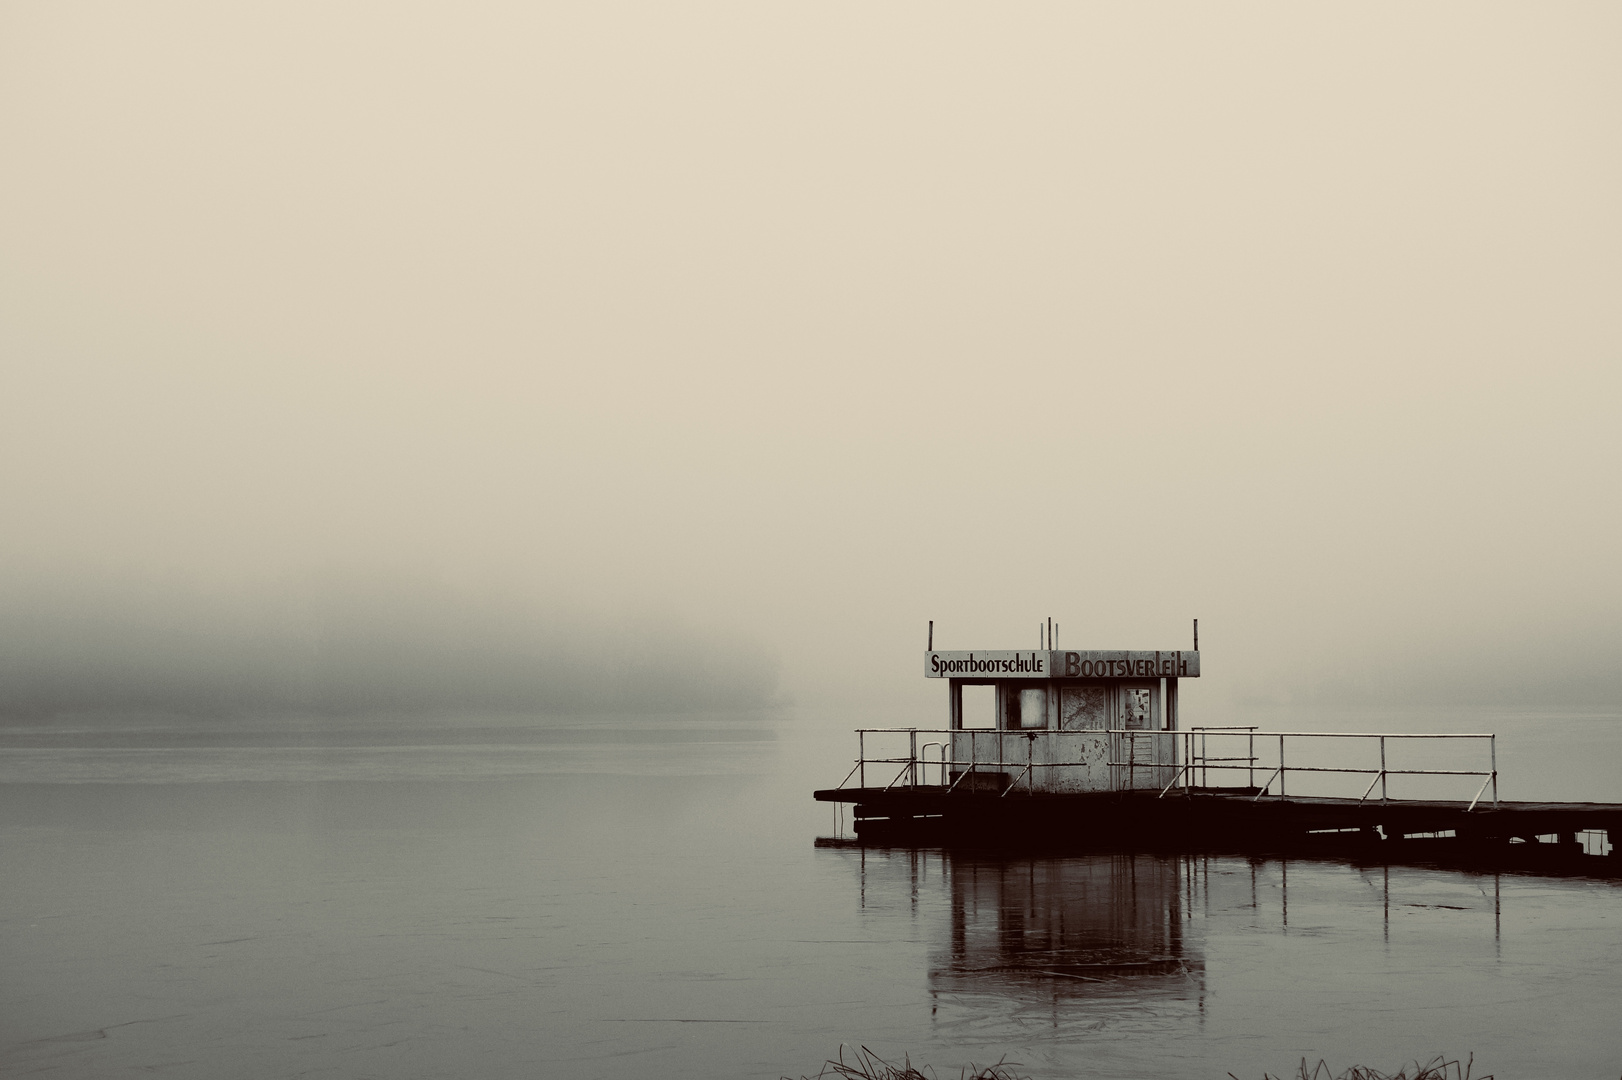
861 758
1281 766
1382 770
1114 758
1252 753
913 747
1492 744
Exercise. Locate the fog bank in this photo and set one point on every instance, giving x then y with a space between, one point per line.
809 324
340 645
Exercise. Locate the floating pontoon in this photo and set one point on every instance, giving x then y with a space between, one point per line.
1085 750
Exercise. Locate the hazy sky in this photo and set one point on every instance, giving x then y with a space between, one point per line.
797 325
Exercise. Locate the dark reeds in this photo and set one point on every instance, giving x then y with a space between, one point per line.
866 1065
1438 1068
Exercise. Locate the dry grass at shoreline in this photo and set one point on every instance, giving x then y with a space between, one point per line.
1438 1068
866 1065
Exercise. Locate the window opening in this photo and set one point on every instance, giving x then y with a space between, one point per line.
979 707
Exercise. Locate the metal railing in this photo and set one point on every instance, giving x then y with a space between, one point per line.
1123 759
1125 764
1197 759
1124 743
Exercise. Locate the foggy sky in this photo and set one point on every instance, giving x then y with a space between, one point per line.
340 643
780 330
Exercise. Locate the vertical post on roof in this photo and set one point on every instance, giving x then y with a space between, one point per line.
1196 635
931 635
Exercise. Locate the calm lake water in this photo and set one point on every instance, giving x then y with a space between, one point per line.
615 897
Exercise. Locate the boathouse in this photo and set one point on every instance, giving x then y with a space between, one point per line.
1063 722
1087 749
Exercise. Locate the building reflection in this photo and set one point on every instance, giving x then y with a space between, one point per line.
1068 926
1121 940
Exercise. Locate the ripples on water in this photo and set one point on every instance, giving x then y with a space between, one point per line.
635 897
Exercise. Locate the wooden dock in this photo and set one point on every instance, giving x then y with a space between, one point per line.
1541 836
1087 750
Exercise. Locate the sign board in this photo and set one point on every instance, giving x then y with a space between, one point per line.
1059 664
990 665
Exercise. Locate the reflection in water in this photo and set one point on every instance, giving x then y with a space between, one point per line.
1065 924
1121 941
1089 942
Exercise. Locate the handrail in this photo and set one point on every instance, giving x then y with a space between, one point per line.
907 763
912 758
923 758
1195 760
1380 775
1366 734
848 775
1012 784
1186 766
1162 731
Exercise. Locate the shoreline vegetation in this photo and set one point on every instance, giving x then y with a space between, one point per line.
864 1064
1439 1067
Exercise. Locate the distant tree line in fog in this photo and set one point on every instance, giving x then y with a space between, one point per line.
340 647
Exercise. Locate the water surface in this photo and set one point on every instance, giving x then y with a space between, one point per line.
625 897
